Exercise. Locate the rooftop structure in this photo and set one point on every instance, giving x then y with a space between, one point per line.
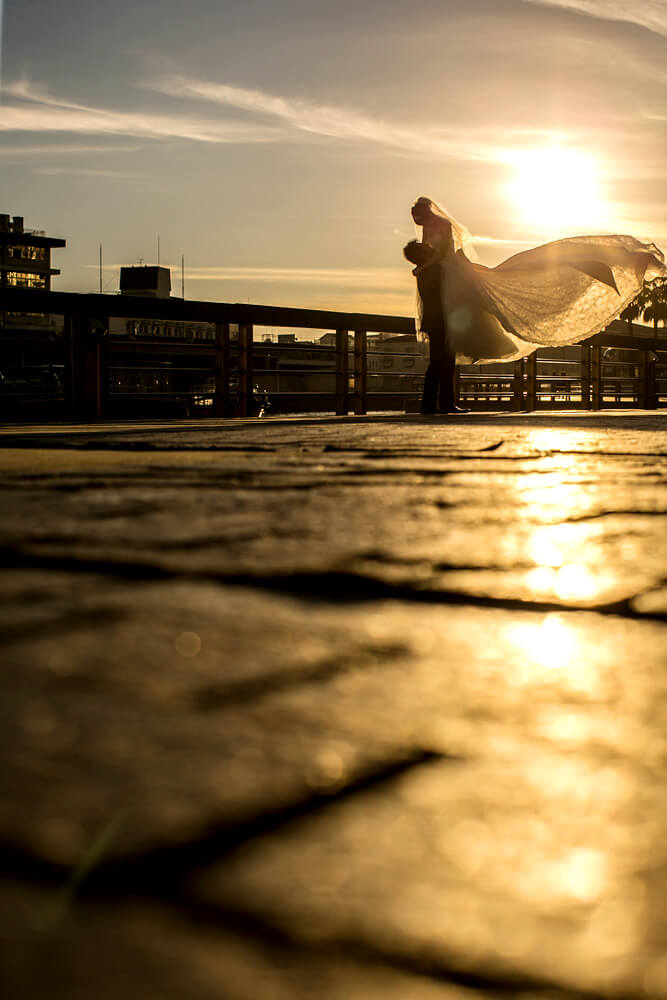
147 281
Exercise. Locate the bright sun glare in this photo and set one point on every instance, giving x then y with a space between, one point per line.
556 189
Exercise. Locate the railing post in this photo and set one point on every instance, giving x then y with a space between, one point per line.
245 370
646 394
342 372
650 383
641 399
97 359
585 378
531 381
86 367
517 385
456 381
72 330
221 398
596 376
360 372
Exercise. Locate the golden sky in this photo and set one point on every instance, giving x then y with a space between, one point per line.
278 144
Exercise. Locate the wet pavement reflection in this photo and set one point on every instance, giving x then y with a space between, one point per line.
365 708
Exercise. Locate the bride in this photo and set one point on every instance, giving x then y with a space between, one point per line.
560 293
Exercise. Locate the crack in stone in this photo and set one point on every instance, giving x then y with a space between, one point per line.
628 512
320 586
63 624
247 924
214 697
148 872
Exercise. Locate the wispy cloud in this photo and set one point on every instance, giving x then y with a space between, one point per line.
649 14
39 111
57 149
493 241
377 278
87 172
347 123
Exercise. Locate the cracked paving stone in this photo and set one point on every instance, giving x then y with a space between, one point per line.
564 514
385 784
541 531
61 949
546 873
185 708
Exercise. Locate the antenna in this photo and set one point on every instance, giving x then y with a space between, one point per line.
158 249
183 275
100 268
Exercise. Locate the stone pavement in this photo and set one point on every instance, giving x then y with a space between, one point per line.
350 708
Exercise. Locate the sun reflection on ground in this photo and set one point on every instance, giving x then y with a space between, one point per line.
573 582
554 652
556 489
552 644
580 874
553 493
545 550
565 558
568 563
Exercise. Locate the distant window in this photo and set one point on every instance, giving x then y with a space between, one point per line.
27 253
20 280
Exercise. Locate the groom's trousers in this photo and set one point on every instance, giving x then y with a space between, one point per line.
439 377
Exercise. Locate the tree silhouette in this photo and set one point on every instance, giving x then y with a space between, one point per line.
650 304
632 312
655 309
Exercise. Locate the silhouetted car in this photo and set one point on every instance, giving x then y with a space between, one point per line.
31 379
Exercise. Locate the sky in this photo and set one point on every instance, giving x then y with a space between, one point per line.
277 145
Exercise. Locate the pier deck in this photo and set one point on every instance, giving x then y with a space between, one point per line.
361 708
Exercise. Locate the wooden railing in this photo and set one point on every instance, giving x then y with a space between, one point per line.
228 361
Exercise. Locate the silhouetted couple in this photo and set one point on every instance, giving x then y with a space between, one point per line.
556 294
439 394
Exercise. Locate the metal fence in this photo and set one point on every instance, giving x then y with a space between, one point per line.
91 357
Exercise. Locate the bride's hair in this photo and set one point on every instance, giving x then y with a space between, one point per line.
460 235
431 207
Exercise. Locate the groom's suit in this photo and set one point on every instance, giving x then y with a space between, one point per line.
439 377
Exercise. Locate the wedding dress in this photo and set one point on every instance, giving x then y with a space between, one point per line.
556 294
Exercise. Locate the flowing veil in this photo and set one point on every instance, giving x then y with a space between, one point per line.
556 294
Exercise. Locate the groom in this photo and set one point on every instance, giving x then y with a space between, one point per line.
438 395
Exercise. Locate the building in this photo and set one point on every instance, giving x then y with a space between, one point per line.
25 255
32 372
151 282
147 281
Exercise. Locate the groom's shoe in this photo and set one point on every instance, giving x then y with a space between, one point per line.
453 409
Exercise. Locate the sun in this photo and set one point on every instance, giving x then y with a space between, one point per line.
556 189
